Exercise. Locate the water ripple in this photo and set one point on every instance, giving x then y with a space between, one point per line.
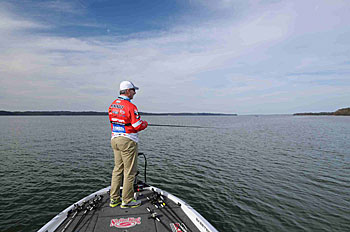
268 173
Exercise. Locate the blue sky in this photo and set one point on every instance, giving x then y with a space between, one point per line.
227 56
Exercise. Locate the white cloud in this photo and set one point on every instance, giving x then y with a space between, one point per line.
228 65
10 23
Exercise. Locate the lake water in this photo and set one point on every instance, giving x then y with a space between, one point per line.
247 173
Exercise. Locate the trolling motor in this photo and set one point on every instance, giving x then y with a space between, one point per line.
138 184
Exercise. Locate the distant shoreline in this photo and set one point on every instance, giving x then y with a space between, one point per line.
95 113
340 112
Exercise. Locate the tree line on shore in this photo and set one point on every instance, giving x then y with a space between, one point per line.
340 112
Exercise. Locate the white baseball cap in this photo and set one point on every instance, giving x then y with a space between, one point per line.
127 85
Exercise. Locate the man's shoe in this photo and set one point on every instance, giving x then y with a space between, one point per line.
114 203
131 204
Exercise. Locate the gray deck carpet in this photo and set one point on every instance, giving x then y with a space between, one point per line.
105 219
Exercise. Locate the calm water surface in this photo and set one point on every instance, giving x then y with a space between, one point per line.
247 173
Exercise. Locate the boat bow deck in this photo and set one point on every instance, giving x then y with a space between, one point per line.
148 217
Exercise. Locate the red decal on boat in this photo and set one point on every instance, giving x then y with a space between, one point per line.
175 227
125 222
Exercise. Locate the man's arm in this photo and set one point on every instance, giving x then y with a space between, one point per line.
136 122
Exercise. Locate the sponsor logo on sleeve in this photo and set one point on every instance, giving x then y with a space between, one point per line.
137 114
125 222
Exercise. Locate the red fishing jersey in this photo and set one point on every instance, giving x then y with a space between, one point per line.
125 119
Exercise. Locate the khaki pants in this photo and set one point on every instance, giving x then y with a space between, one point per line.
125 161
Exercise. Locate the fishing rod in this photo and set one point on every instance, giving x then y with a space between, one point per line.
155 201
97 202
183 126
92 205
77 208
155 216
164 204
159 202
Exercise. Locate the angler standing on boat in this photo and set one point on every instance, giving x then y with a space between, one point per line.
125 123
